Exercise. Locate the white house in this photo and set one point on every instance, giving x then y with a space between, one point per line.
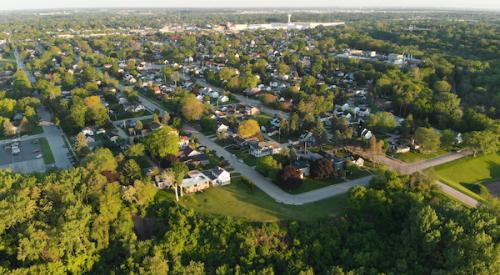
218 176
88 131
366 134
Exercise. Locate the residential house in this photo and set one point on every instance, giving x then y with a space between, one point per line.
218 176
303 167
264 148
195 182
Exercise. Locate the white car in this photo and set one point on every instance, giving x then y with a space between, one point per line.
15 150
39 156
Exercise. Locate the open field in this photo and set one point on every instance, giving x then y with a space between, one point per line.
469 174
247 201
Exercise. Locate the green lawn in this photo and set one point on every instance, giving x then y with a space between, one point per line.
466 173
411 157
243 155
263 119
48 158
247 201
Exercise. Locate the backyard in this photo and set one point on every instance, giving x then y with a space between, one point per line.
243 200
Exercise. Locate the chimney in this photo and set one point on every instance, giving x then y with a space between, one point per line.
289 18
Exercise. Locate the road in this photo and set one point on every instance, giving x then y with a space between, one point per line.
281 196
410 168
258 179
54 134
272 189
457 194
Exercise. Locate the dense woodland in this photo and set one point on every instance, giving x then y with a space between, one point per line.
82 221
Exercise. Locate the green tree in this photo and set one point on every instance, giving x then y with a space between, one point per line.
162 142
428 138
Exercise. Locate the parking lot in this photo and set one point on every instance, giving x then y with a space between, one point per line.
28 159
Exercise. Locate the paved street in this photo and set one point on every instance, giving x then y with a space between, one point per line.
457 194
410 168
270 188
54 134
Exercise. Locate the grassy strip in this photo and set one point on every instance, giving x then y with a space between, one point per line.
48 158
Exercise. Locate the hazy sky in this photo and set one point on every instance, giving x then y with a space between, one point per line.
49 4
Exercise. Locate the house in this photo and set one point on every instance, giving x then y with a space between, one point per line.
218 176
198 159
223 99
251 110
265 148
303 167
222 131
360 162
87 131
308 138
366 134
183 142
195 182
135 108
275 122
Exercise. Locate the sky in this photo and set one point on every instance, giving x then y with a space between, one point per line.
53 4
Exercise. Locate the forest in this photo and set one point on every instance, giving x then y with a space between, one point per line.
89 220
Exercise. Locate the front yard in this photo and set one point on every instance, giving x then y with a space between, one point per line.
246 201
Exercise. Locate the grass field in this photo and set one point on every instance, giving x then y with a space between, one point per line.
411 157
248 202
48 158
466 173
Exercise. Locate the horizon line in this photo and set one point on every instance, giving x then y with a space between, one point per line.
260 7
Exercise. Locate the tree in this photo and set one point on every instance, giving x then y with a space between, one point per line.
376 147
100 160
289 177
179 170
77 116
24 125
21 82
140 194
81 145
482 141
135 150
268 166
428 138
294 122
191 108
448 138
249 128
382 122
442 86
8 128
322 169
131 171
138 126
162 142
165 118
